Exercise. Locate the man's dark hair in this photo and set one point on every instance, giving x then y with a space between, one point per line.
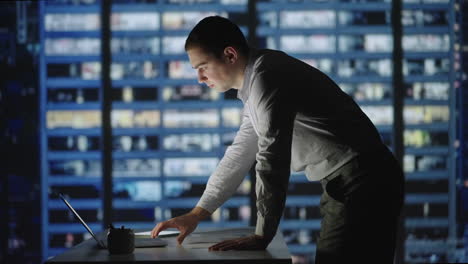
214 33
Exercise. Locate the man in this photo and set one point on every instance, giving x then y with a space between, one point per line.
295 117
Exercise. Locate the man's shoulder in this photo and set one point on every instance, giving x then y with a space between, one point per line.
267 54
268 60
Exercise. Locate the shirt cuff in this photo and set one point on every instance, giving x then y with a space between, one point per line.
205 203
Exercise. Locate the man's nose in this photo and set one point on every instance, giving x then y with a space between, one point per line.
201 77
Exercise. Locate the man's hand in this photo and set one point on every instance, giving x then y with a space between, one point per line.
185 223
254 242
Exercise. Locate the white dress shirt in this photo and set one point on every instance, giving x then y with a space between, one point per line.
294 118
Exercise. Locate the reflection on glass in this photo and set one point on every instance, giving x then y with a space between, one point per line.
134 70
135 118
89 70
135 143
189 92
181 189
135 45
302 43
133 214
299 237
133 1
425 138
244 188
268 42
72 46
365 67
174 45
426 42
176 189
191 142
367 91
228 138
76 119
83 168
135 21
232 116
426 66
428 90
71 22
426 1
268 19
173 118
73 143
181 70
415 163
72 95
70 2
136 168
307 19
244 212
185 20
92 70
365 1
82 191
364 18
424 18
139 191
379 115
189 166
130 94
324 65
367 43
233 2
426 114
182 2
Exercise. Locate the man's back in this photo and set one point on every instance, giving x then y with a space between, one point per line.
329 127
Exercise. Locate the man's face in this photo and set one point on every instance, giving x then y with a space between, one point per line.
212 71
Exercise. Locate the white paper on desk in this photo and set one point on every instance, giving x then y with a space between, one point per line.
162 233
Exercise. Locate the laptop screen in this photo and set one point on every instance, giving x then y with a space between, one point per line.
81 221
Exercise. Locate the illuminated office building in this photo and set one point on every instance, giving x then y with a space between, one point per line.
167 132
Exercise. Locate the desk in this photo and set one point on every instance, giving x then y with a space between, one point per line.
194 249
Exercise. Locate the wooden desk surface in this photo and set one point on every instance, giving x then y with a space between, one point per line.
194 249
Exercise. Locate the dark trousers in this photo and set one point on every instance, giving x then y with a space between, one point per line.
360 206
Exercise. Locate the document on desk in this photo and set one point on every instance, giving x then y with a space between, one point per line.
205 239
164 233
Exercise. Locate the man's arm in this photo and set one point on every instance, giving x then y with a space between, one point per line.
222 184
232 168
275 112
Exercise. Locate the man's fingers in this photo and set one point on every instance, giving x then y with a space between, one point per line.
225 245
155 230
228 246
182 236
161 226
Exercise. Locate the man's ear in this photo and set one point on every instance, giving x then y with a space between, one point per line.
230 55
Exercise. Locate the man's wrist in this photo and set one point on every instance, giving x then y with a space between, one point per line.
266 228
200 213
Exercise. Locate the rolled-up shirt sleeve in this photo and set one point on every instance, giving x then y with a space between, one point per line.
232 168
275 113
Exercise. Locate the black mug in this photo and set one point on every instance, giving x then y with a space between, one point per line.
120 240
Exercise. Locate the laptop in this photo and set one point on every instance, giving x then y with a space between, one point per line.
140 242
